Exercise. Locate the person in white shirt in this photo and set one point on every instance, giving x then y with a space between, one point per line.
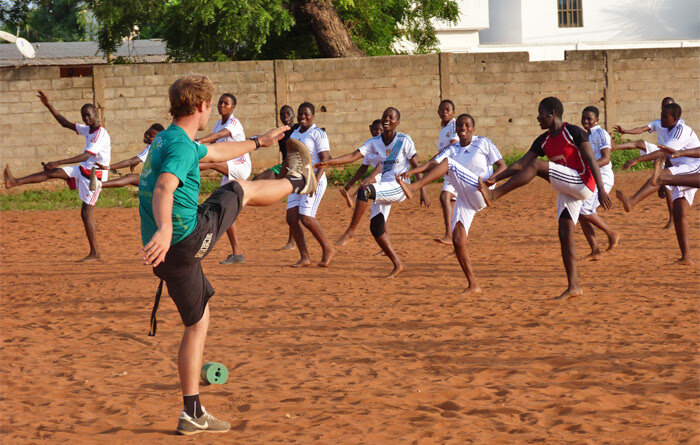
463 163
447 137
133 178
601 145
229 129
96 154
644 148
677 136
301 209
394 152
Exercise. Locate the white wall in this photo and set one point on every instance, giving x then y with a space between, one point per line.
535 21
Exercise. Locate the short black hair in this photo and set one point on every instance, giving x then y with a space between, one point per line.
447 101
591 109
398 113
231 96
375 122
286 106
674 109
466 116
158 127
308 105
88 107
553 105
667 100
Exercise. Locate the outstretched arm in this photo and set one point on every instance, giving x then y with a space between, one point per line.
126 163
154 251
61 120
690 152
74 160
223 151
589 158
636 130
213 137
341 160
221 167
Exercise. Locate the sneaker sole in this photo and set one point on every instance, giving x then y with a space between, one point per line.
296 147
192 433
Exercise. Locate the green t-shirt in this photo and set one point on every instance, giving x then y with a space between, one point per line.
172 151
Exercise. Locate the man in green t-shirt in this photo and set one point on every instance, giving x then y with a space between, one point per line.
177 233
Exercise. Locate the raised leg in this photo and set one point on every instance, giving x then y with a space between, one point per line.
629 203
537 167
130 179
54 173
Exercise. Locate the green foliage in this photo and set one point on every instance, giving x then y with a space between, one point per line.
341 175
117 19
48 20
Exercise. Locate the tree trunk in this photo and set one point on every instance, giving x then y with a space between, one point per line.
331 35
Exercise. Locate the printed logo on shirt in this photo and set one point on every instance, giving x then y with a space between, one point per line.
205 246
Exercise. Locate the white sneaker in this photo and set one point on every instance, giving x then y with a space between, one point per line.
206 423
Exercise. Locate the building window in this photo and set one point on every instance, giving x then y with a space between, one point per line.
570 13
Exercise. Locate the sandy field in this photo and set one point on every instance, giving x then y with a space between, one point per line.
341 355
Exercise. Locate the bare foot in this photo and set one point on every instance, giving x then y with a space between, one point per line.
345 195
327 255
613 241
669 224
485 192
684 261
304 262
345 239
90 257
593 256
570 293
10 180
625 203
445 240
472 289
658 166
405 187
397 270
288 246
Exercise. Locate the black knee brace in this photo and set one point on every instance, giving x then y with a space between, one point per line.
377 226
366 192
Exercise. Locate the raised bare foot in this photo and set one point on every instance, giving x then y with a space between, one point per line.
405 187
444 240
658 166
346 238
90 257
625 203
613 241
684 261
397 270
570 293
10 181
472 289
304 262
288 246
485 192
327 255
593 256
345 195
669 224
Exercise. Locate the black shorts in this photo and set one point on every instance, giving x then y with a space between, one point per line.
182 268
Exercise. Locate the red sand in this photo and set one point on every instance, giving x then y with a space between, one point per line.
340 355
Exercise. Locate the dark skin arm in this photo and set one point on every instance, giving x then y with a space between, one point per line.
345 159
636 130
690 152
213 137
61 120
513 169
648 157
131 162
221 167
74 160
357 176
605 154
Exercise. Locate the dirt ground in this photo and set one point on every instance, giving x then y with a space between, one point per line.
341 355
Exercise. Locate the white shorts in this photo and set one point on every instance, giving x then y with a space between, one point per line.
649 148
591 204
77 181
447 187
386 194
571 191
308 204
469 199
237 170
682 191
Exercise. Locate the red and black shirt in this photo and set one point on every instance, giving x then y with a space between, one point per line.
563 149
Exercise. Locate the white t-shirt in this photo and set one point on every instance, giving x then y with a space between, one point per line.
315 140
97 144
655 125
447 136
478 157
393 157
599 140
144 154
680 137
234 127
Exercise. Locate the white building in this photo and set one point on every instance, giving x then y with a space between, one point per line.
547 28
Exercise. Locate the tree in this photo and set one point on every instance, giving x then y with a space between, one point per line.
331 36
48 20
117 19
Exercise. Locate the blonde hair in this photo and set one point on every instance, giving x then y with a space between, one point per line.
186 93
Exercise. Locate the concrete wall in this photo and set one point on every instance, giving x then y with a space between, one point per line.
501 90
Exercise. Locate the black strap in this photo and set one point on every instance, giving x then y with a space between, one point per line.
154 322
